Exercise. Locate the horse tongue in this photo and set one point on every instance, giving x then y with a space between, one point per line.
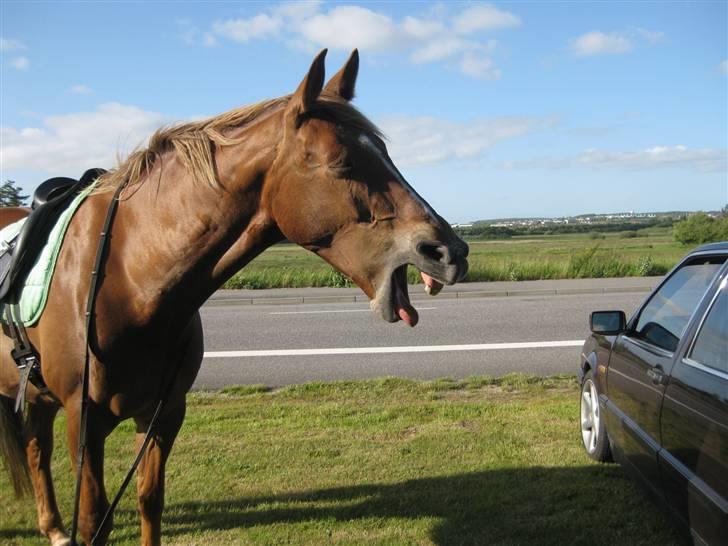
404 308
432 287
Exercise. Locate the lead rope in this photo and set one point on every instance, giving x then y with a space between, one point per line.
93 289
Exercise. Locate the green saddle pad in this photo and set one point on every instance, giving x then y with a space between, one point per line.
35 290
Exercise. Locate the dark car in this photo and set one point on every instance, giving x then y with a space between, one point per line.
654 392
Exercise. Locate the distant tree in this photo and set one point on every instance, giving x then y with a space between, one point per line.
11 196
700 228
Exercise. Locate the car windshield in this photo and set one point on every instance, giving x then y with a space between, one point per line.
666 315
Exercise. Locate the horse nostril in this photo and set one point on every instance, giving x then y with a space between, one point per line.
434 251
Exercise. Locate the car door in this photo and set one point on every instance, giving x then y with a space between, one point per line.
694 458
642 359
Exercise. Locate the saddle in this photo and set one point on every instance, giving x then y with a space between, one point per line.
17 258
49 201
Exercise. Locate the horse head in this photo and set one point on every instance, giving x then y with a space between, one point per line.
334 190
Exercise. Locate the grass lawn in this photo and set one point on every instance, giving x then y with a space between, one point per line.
482 461
652 252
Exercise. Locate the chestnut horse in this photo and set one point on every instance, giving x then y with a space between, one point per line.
200 202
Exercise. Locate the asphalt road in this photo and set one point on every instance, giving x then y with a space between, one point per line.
271 340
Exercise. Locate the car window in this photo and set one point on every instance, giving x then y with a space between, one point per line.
664 318
711 344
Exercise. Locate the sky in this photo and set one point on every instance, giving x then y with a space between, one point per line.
491 110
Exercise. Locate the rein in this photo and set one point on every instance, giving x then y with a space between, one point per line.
90 304
83 428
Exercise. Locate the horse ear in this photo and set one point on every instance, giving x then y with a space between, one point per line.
310 88
344 81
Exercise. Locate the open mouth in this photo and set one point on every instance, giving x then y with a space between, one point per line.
400 302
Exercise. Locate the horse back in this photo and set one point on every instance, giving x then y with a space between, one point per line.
9 215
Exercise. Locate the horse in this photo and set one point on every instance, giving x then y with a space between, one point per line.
198 203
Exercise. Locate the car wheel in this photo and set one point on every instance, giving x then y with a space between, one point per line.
593 431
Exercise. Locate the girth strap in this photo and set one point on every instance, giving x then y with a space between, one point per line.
24 355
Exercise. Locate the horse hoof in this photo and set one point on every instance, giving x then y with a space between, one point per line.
61 541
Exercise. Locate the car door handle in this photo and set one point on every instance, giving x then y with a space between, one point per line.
657 376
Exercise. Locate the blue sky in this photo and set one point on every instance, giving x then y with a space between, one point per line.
491 109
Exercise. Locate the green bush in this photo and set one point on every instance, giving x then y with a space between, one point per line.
701 228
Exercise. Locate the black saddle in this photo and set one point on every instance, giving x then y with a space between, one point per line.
50 199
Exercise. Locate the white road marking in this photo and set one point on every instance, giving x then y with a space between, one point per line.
337 311
382 350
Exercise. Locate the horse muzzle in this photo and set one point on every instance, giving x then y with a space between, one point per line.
438 263
446 263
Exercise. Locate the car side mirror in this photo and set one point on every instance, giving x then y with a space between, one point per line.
607 322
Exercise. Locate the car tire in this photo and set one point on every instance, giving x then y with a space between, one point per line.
593 431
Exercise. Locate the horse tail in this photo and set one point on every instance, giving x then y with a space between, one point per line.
12 447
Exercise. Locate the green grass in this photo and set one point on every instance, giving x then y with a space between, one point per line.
388 461
652 252
642 253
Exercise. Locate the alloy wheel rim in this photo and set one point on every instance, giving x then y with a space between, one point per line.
589 416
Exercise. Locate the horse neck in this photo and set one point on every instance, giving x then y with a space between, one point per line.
180 239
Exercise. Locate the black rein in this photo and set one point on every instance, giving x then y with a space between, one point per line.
82 436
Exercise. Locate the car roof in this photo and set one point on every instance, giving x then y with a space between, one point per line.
721 246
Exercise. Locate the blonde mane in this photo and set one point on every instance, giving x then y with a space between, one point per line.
194 142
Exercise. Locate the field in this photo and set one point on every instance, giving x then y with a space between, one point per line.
645 252
389 461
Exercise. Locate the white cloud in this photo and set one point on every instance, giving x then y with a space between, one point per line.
723 66
433 37
243 30
652 36
441 48
422 28
21 63
602 43
80 89
11 45
444 45
192 35
297 10
705 160
70 143
347 27
599 43
479 67
424 140
484 17
657 157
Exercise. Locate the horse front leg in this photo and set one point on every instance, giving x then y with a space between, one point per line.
38 433
94 501
150 474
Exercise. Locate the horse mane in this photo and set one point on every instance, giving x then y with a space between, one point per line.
194 142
